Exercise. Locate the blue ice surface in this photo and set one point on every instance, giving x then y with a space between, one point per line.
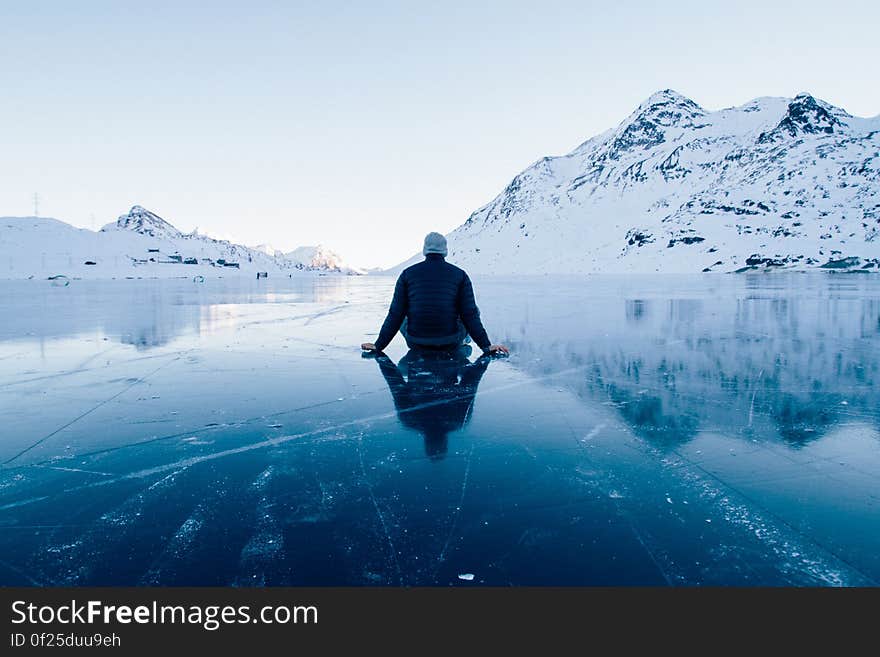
666 430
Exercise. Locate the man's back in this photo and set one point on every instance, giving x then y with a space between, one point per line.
433 288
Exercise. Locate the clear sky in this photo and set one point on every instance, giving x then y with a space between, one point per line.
364 125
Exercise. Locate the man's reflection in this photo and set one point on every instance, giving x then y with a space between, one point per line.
434 392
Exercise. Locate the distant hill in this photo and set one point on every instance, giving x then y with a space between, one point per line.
318 257
138 244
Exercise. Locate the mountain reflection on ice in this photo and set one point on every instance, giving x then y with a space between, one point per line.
646 430
788 358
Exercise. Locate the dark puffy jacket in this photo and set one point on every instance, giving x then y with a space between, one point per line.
432 296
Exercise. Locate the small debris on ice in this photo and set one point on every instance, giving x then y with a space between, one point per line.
468 577
195 440
669 499
340 399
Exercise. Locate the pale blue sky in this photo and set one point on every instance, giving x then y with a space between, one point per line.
365 125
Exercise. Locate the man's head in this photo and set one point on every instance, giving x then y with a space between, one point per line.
434 243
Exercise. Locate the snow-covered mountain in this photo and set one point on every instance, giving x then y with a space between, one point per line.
317 257
269 250
775 183
138 244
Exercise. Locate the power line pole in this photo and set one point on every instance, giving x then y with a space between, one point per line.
36 204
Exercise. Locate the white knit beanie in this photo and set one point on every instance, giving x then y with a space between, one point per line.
434 243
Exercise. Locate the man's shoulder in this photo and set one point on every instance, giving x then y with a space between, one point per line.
457 270
456 273
410 270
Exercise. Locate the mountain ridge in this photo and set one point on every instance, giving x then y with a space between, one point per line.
787 183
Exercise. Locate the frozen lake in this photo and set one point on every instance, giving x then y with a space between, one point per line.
646 430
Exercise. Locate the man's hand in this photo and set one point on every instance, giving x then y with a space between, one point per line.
498 349
368 346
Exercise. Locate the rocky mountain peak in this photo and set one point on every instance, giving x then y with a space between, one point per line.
669 108
140 220
805 115
645 128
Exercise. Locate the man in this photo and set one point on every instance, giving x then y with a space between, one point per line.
434 306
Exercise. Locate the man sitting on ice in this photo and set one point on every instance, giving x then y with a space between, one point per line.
434 307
